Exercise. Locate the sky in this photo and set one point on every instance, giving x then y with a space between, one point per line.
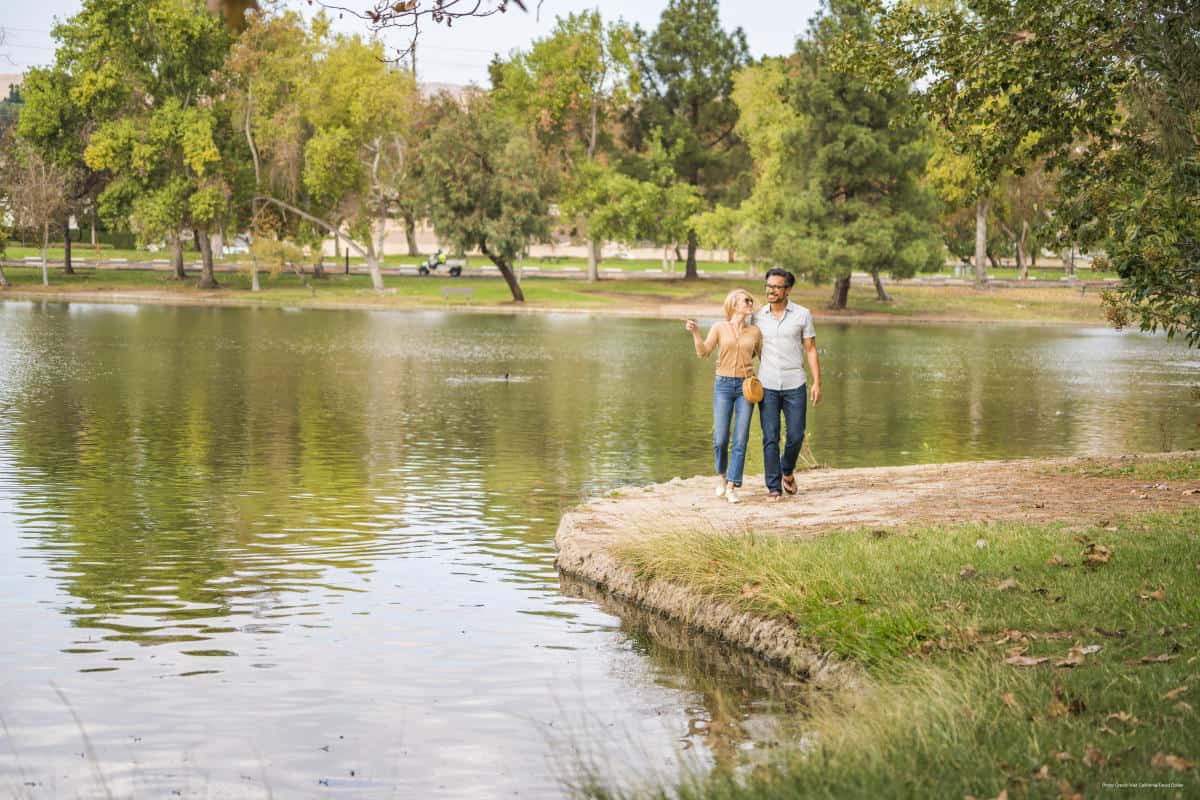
459 55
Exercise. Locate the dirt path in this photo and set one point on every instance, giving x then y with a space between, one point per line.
1072 491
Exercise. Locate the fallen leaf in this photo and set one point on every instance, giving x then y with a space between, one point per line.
1064 756
1183 708
967 572
1042 774
1177 763
981 543
1126 717
1009 699
1067 792
1106 729
1025 661
1158 594
1056 560
1159 659
1093 757
751 589
1076 656
1096 554
1057 709
1011 636
1119 633
834 602
1175 693
1006 584
1017 651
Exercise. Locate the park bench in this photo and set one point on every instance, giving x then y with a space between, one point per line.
464 292
1101 285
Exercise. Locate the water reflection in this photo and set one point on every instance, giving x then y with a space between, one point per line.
300 527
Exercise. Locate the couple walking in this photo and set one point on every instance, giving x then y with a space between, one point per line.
781 335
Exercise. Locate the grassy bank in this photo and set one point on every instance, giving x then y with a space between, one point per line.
1041 661
649 297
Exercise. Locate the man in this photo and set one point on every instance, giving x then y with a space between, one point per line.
788 341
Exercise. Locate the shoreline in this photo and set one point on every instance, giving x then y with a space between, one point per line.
882 499
665 310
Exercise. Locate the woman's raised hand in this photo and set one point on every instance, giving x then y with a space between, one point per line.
690 324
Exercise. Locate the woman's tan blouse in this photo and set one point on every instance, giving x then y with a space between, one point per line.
733 351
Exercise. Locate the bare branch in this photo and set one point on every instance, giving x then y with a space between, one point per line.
405 15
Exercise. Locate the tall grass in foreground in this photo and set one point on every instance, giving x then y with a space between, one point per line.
1041 661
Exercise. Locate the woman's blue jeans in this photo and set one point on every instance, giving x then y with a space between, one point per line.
729 402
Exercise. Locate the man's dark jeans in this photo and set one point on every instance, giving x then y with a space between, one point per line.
792 404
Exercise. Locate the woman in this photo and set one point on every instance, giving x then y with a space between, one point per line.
737 342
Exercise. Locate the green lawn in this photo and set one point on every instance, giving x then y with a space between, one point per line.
648 296
1041 661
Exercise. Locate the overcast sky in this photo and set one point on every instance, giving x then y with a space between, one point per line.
459 55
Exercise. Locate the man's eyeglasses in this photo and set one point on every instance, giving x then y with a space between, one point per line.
776 286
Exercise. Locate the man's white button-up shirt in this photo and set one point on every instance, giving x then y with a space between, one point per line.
782 363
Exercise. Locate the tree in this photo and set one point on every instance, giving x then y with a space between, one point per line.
331 124
569 87
132 90
1007 83
846 194
687 68
1137 197
36 192
487 184
10 107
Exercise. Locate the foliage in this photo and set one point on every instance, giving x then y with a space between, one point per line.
330 127
687 66
487 184
569 88
838 184
1138 198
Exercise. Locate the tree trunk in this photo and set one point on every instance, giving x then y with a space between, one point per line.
593 264
410 233
95 246
3 278
981 213
177 257
880 293
254 286
68 268
510 277
992 260
318 263
1022 266
373 266
841 292
691 271
208 280
45 244
1068 260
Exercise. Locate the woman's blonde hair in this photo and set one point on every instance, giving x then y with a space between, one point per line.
731 301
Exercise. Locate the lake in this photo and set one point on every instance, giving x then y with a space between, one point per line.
251 552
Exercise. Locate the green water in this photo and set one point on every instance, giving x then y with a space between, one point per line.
256 552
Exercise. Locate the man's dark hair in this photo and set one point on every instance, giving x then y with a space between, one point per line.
781 273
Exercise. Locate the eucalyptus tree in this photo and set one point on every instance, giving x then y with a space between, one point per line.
687 66
329 125
570 86
487 183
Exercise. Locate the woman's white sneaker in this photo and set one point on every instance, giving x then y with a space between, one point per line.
720 490
731 495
